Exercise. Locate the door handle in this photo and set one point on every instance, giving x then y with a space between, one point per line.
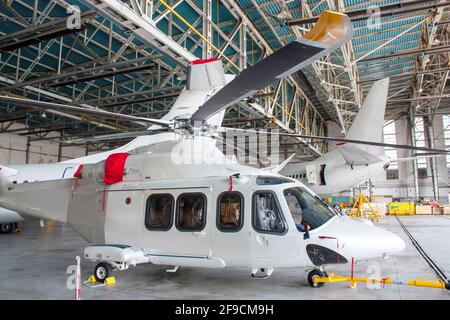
262 240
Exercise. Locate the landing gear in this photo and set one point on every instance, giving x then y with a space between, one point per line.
102 271
7 227
315 274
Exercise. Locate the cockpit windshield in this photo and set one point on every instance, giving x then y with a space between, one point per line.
306 209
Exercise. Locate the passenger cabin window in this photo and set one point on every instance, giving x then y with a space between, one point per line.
191 213
307 209
267 216
230 211
159 212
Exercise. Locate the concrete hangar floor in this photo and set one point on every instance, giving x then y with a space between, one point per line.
33 265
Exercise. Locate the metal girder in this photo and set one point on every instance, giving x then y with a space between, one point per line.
432 70
83 70
78 52
415 6
329 85
142 26
254 33
41 32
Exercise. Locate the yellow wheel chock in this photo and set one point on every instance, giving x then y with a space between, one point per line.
110 281
92 279
92 282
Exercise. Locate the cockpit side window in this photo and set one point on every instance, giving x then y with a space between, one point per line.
267 217
269 180
306 209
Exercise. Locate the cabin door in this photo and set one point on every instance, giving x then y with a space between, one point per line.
193 221
272 244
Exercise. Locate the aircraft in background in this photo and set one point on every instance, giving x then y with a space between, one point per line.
349 165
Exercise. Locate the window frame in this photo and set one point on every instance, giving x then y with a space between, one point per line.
177 212
241 213
316 197
283 219
147 212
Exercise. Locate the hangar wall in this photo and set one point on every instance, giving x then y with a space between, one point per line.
13 150
404 187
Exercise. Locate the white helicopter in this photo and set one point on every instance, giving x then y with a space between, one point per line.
205 79
182 202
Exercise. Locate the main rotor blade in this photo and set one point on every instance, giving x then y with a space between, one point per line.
330 32
115 136
343 140
80 110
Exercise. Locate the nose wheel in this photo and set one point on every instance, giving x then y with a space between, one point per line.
316 274
102 271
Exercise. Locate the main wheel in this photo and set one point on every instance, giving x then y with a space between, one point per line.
314 274
6 227
102 271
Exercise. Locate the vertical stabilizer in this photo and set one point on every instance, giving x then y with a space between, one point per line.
368 124
204 78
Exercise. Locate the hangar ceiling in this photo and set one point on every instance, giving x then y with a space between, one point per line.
130 57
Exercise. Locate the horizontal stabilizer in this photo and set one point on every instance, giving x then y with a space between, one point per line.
412 159
356 156
8 171
278 168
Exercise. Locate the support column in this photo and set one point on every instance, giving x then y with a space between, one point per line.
415 163
207 28
429 134
403 135
243 46
60 145
441 162
27 151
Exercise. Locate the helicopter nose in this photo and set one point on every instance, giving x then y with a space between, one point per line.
360 240
366 241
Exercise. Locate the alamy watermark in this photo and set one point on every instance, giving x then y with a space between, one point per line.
374 20
74 18
71 281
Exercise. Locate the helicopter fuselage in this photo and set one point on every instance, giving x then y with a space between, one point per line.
186 204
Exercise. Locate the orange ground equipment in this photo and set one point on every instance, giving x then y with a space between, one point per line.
359 210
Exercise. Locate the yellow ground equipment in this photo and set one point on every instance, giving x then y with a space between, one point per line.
360 211
425 283
91 282
401 208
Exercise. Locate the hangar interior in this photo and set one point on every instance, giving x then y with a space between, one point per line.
122 62
131 57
